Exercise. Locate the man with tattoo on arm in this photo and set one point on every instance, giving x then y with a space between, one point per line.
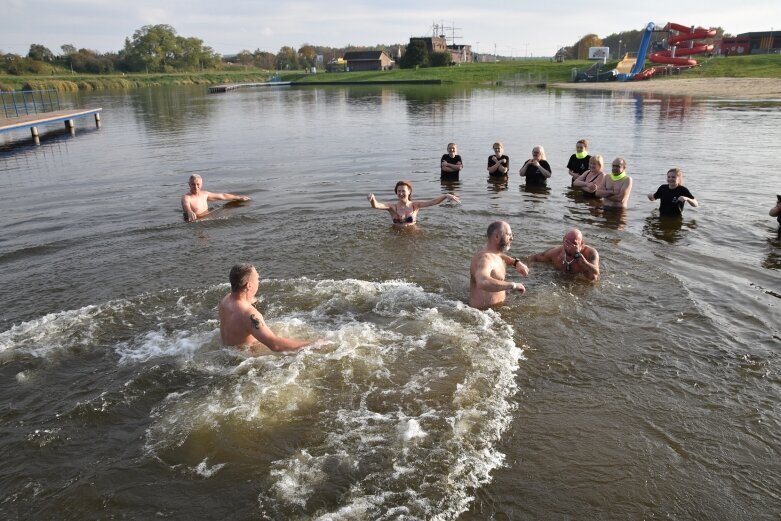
243 325
572 257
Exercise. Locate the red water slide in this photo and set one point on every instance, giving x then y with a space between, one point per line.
685 34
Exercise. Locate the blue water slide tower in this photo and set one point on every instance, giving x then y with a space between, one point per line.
642 52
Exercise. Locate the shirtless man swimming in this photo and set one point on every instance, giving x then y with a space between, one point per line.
241 324
616 186
195 202
572 257
487 286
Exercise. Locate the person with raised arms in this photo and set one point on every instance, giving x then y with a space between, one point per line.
487 270
673 195
241 324
195 203
405 211
616 186
573 256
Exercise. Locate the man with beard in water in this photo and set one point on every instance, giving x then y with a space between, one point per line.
241 324
572 257
488 268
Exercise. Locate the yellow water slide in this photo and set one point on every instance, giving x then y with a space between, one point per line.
626 64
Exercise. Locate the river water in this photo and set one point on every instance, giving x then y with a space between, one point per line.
650 394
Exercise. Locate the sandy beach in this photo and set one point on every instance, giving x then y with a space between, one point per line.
730 88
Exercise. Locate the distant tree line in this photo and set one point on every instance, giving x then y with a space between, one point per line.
153 48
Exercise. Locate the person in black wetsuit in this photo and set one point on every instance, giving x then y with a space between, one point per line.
673 195
405 212
536 170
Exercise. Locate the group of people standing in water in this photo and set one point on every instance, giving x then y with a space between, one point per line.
242 324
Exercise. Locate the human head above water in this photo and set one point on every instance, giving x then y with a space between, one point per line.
582 143
403 182
541 151
596 160
675 176
498 145
618 164
240 276
502 231
454 148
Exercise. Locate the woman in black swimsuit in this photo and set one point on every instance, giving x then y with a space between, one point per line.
589 180
405 212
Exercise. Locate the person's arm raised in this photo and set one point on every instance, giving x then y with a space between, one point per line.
589 263
376 204
436 201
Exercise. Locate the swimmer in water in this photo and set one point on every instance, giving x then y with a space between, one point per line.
405 211
616 186
572 257
195 202
487 271
673 195
243 325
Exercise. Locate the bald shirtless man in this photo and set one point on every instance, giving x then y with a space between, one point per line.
195 202
487 286
241 324
616 186
572 257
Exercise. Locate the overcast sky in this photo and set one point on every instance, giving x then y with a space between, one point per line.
519 28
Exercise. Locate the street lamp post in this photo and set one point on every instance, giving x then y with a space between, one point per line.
619 49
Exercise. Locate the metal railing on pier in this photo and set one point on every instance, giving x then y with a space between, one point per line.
27 102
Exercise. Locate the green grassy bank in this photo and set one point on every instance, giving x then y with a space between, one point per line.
507 72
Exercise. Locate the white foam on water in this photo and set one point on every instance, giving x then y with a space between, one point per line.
203 468
408 385
161 343
53 332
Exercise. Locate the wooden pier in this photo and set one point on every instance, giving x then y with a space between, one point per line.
33 121
233 86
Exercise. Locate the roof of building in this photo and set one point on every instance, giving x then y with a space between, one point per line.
355 56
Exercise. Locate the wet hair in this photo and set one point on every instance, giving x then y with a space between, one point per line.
542 151
403 182
498 144
195 176
678 174
239 275
582 142
598 159
494 227
623 161
452 145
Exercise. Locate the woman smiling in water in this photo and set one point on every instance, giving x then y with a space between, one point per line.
405 212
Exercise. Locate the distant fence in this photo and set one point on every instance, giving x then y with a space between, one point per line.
522 79
26 102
